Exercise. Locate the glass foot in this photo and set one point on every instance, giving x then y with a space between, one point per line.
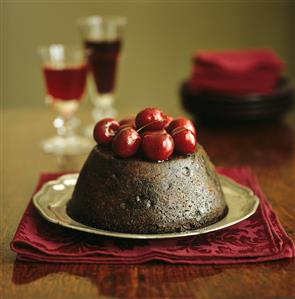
70 145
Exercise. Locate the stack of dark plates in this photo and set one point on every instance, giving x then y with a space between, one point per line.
211 107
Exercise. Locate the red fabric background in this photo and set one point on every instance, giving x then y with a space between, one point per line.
236 72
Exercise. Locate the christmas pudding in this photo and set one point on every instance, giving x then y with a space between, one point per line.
147 175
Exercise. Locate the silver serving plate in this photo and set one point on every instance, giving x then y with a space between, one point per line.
52 199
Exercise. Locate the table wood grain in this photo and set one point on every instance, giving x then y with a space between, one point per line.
268 149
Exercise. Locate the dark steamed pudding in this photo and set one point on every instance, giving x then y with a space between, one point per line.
139 196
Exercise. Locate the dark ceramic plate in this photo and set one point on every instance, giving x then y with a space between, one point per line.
212 107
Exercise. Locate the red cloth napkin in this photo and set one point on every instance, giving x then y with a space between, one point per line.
256 239
236 72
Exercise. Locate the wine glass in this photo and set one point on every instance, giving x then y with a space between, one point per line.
65 73
102 37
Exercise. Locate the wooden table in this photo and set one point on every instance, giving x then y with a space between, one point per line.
269 150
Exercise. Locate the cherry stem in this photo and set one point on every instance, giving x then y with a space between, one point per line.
153 122
178 130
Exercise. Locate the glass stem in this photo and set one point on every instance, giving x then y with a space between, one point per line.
103 106
66 123
66 127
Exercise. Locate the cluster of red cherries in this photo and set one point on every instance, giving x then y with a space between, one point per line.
156 134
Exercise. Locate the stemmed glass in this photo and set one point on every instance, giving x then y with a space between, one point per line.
65 72
102 37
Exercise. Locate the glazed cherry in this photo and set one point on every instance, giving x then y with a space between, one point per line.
157 146
128 121
126 142
151 119
105 130
184 140
182 122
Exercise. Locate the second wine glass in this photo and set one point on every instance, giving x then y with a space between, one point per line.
102 37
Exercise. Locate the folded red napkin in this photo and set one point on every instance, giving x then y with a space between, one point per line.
256 239
236 72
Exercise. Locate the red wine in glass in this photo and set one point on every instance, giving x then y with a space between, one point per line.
65 71
102 59
65 84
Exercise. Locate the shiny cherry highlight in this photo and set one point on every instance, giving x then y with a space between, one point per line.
182 122
184 140
126 142
157 146
105 130
151 119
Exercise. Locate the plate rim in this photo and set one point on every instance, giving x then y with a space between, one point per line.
97 231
